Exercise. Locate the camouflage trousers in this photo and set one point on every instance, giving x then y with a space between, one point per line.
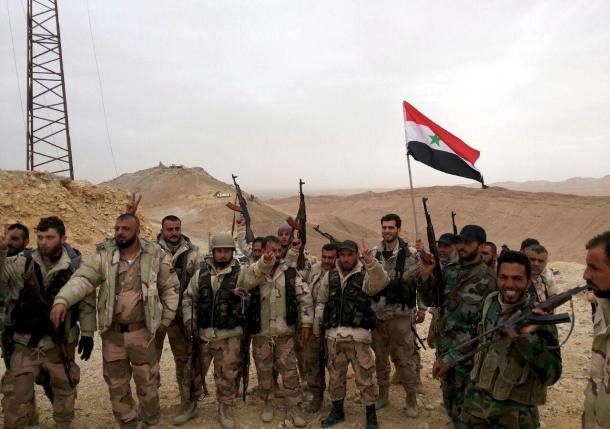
339 355
311 366
125 354
596 414
8 347
181 350
453 386
277 352
226 355
394 339
18 385
481 411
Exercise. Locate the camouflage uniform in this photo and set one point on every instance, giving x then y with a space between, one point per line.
273 345
185 260
134 299
27 363
351 344
544 285
510 377
597 392
223 345
393 335
465 289
311 349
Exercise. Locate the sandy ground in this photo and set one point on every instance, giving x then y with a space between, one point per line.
562 410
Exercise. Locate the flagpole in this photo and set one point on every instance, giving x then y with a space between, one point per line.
412 197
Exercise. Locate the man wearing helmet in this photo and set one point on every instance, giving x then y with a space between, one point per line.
212 307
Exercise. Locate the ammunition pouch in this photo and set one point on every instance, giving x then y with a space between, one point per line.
348 306
398 291
223 311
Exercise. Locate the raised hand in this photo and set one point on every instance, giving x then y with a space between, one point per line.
366 252
269 255
133 203
426 264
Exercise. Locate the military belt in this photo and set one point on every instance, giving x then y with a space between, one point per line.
127 327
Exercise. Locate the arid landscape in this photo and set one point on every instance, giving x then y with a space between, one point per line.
562 222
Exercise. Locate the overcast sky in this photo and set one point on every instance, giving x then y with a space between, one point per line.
278 90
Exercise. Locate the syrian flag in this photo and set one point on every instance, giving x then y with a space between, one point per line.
434 146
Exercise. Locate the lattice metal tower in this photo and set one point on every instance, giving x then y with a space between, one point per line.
48 145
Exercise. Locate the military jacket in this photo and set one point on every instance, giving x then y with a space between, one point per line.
517 370
597 392
273 299
375 279
12 270
465 289
247 278
159 284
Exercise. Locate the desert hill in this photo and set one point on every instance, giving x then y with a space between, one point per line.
199 200
575 185
563 223
88 211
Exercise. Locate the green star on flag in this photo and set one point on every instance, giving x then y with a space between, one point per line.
434 139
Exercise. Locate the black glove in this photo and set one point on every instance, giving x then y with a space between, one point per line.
85 347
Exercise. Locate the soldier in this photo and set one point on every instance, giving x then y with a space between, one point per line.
395 311
527 243
185 261
510 377
343 311
137 298
18 238
213 308
280 304
543 284
447 249
31 280
311 348
464 287
489 253
597 393
253 251
286 234
447 253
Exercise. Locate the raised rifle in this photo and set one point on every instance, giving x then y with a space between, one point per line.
437 284
243 209
300 225
455 231
326 235
518 321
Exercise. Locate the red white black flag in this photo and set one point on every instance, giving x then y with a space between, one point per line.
429 143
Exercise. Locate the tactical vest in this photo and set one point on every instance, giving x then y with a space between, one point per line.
398 291
31 312
223 309
348 306
253 313
502 371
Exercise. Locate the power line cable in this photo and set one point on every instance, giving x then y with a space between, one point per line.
99 80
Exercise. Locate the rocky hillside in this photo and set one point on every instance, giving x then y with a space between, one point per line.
199 200
89 211
563 223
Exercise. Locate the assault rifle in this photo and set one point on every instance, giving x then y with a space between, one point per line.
243 209
300 225
322 351
520 320
194 344
33 289
455 231
437 273
326 235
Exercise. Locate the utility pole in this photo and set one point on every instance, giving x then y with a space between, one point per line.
48 134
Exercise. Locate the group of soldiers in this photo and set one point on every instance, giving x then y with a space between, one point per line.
357 306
